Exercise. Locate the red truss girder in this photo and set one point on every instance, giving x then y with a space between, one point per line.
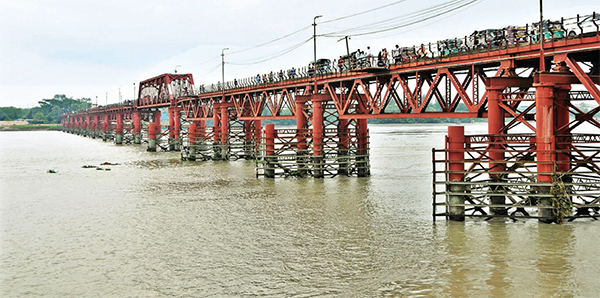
165 89
412 87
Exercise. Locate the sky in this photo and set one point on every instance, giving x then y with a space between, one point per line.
100 49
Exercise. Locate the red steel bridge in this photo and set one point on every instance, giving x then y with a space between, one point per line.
540 157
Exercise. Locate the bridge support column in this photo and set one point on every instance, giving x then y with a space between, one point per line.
151 137
302 132
497 157
105 127
137 127
95 126
217 154
270 159
174 128
86 126
192 134
156 119
456 169
77 125
257 136
224 132
119 129
248 139
552 111
362 160
344 142
317 136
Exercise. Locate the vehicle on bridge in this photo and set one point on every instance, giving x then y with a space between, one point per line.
551 29
588 25
451 46
484 39
321 67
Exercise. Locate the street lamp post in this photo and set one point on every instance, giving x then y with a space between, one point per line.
542 58
347 47
223 68
315 35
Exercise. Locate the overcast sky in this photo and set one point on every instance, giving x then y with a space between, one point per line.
84 48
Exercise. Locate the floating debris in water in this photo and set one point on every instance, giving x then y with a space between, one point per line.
88 166
102 169
106 163
52 171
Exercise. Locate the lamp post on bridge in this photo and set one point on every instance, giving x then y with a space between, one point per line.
315 35
541 28
223 69
347 47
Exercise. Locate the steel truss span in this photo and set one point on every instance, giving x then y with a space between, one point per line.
539 158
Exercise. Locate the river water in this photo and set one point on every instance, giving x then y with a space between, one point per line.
155 226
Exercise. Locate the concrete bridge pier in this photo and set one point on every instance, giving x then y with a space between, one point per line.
270 158
362 159
105 127
552 111
343 145
174 128
151 137
302 158
317 135
193 135
137 127
217 149
119 129
95 126
456 172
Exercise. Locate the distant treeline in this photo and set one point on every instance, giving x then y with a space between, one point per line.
48 111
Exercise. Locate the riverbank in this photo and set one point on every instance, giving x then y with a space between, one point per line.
24 126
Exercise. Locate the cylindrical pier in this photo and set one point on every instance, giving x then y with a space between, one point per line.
456 168
119 130
270 157
137 127
192 134
152 137
317 134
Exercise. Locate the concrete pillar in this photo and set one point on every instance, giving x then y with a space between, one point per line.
302 132
248 140
192 134
177 129
317 135
157 125
151 137
497 157
137 127
105 127
95 126
217 154
456 168
174 128
119 129
544 95
362 160
257 137
343 145
270 158
224 132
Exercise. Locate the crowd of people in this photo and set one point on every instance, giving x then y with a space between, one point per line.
483 40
